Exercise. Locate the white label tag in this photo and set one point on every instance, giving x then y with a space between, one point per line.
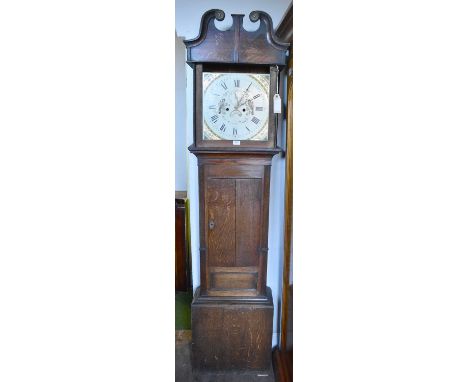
236 143
276 104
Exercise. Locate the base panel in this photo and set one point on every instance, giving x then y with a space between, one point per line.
233 337
233 376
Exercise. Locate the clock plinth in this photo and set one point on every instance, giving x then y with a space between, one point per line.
230 336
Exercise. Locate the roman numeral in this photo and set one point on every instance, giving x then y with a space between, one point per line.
214 118
247 128
236 83
223 127
255 120
256 96
223 84
258 108
212 107
234 131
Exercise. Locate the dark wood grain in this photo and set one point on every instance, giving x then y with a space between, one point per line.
236 45
233 280
288 214
263 250
237 269
201 220
221 213
234 200
239 171
283 365
184 373
229 336
233 152
236 68
233 376
248 221
181 261
285 29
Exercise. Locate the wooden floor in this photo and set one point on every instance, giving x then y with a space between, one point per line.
183 372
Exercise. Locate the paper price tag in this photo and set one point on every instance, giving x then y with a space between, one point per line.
236 143
277 104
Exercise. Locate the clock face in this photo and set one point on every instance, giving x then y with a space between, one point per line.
235 106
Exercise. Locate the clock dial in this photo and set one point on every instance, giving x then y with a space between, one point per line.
235 106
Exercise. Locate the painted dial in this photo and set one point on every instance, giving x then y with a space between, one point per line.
235 106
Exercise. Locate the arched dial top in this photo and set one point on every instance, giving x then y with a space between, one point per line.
235 106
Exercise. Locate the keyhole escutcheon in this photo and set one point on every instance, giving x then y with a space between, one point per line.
211 224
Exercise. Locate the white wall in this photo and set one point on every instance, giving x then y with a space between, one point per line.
188 16
180 117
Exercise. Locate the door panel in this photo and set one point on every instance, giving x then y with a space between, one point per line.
221 221
233 280
248 215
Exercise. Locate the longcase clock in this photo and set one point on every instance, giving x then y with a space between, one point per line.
235 128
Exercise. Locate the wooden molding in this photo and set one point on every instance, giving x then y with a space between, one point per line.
236 45
285 29
288 210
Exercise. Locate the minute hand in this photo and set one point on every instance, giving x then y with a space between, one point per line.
239 104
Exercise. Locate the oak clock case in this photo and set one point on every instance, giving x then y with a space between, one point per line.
234 177
235 80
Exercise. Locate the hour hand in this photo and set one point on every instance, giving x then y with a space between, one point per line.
239 104
237 101
250 106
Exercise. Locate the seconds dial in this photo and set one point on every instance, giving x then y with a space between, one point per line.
235 106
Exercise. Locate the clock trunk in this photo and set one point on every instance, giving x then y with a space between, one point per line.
233 199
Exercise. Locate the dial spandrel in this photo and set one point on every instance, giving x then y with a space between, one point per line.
235 106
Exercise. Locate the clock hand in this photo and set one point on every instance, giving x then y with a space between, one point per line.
247 100
238 101
242 98
250 104
221 104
